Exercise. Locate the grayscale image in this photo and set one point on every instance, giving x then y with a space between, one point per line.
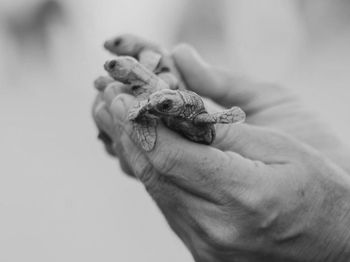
188 130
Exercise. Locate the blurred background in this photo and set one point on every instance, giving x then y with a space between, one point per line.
61 197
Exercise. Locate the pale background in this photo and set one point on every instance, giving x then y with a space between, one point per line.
61 197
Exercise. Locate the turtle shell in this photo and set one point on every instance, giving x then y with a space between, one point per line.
183 123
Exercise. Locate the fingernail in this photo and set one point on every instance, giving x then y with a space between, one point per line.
118 108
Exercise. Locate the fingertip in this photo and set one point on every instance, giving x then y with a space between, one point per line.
198 75
102 82
185 53
180 49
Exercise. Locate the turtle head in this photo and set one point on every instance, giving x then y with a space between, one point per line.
120 68
113 45
165 102
122 45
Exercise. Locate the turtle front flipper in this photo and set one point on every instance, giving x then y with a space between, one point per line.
229 116
137 110
145 134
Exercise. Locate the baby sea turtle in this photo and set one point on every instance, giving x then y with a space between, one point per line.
150 55
180 110
141 80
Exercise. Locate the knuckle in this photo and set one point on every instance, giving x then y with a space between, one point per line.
219 236
143 169
166 161
125 167
117 148
255 200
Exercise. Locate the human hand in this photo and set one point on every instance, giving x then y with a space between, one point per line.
267 105
263 196
255 195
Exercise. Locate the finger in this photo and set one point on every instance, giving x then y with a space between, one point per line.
103 121
250 141
114 149
101 112
222 86
122 157
101 116
107 125
126 167
150 59
162 65
101 82
107 141
258 143
113 90
170 79
167 66
200 169
107 131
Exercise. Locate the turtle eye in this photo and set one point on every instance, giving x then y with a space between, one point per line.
117 42
165 106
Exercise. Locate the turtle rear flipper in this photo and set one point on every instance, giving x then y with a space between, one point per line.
150 59
229 116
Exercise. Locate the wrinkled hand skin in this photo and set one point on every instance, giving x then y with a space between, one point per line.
276 189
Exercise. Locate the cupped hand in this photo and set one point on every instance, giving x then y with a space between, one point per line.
266 105
256 194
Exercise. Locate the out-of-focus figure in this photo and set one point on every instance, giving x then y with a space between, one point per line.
29 28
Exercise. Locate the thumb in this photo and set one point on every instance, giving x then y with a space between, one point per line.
222 86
